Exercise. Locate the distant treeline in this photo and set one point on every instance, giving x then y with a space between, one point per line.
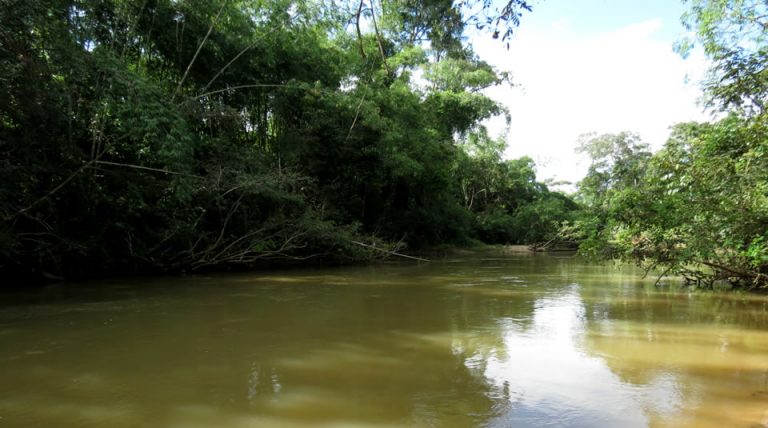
698 207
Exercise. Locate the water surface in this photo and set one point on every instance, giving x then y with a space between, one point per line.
495 341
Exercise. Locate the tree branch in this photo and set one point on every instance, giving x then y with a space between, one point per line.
378 37
394 253
232 88
145 168
221 71
199 48
357 24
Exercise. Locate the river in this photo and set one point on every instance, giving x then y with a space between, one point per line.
490 340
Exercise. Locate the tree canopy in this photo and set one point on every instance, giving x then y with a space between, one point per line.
699 206
178 135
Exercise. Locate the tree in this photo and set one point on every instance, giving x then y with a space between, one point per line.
618 162
176 135
698 207
702 210
733 35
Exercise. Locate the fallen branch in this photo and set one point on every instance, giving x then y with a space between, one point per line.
663 274
145 168
757 278
390 252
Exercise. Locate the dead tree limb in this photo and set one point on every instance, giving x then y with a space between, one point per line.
393 253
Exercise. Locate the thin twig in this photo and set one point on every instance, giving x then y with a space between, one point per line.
357 115
232 88
648 270
231 212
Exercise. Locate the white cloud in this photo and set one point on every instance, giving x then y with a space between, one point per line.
572 84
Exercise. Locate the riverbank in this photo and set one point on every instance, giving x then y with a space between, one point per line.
377 255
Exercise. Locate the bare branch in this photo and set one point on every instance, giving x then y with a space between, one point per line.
394 253
357 115
145 168
199 48
221 71
378 37
233 88
663 274
357 23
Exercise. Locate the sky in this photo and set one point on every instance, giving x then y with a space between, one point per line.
602 66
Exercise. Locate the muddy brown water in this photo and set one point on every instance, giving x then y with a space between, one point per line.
486 340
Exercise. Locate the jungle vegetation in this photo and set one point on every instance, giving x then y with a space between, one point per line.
144 136
699 206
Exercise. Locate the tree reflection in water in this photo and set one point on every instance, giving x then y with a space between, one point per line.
521 340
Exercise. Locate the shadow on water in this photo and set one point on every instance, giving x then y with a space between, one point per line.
513 340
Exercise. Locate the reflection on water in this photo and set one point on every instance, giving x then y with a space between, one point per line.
553 378
522 340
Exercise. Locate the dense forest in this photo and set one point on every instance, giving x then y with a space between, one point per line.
145 136
179 135
697 208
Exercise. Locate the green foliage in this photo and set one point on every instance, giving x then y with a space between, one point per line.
617 163
695 210
442 22
510 206
544 218
733 35
177 135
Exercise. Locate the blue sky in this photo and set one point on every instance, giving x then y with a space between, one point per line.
594 16
592 66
